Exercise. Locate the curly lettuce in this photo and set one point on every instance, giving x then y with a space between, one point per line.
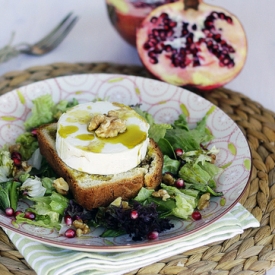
44 111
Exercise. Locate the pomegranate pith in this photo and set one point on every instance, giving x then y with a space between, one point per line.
205 48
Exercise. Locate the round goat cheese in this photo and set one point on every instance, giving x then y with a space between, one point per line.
86 151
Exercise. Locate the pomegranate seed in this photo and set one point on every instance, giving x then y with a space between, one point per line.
17 162
179 152
196 215
153 60
154 19
222 15
179 183
34 132
168 48
229 20
172 24
153 235
9 212
29 215
70 233
68 220
17 213
134 214
164 15
16 157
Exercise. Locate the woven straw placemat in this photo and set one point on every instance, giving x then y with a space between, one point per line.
252 252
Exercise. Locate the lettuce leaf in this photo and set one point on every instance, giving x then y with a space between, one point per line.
41 220
179 138
194 174
62 106
6 164
156 130
170 165
184 204
28 145
212 169
143 194
181 123
55 202
42 112
180 204
48 209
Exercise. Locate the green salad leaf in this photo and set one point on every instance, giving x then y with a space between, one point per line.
6 164
156 130
41 113
48 210
28 145
41 220
170 165
44 110
179 205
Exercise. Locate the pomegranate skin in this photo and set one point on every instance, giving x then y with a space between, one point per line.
206 49
127 15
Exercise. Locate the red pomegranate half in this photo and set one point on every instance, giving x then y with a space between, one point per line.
126 15
192 43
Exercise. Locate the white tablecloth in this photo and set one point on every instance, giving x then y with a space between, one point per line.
94 39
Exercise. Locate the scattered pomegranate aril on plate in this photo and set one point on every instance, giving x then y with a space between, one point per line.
126 15
196 215
198 45
70 233
9 212
153 235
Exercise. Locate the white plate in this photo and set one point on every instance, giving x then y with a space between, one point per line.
165 102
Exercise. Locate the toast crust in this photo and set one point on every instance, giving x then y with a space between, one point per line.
92 191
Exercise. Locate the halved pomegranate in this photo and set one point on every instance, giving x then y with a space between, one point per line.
196 45
126 15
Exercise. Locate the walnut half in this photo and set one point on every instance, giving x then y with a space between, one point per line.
161 193
107 126
81 228
61 186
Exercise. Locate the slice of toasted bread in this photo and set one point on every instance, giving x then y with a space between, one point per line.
91 190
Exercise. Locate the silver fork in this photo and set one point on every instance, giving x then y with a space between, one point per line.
45 45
